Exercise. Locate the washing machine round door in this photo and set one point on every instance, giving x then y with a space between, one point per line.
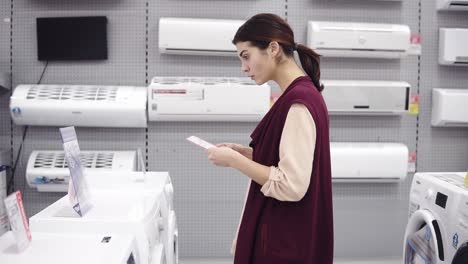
423 239
461 257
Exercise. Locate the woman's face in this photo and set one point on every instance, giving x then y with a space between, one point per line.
256 63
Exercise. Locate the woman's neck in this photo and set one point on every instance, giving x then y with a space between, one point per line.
286 72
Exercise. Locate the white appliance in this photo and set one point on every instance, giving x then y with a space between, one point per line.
4 165
198 36
70 248
452 5
368 162
449 107
438 211
47 171
452 46
4 81
144 182
79 105
130 203
366 97
366 40
207 99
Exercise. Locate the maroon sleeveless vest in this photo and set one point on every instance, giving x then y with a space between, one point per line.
275 232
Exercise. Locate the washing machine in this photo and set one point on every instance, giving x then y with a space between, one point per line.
70 248
130 203
437 230
143 182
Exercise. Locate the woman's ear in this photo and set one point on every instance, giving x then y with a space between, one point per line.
274 48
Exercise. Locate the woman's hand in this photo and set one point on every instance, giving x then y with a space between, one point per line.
245 151
240 158
222 156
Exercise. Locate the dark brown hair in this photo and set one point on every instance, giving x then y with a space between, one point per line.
262 29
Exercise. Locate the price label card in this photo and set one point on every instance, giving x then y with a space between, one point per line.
414 104
18 220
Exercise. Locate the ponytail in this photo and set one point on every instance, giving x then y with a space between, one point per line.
310 62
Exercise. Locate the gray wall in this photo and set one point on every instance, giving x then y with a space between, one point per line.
369 218
5 131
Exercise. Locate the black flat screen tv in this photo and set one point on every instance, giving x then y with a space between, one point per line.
72 38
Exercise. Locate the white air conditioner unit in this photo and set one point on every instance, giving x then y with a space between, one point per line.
366 97
452 5
79 105
47 171
368 162
453 43
449 107
197 36
207 99
366 40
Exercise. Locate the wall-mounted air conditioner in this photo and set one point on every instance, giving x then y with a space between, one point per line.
366 97
79 105
453 43
449 107
47 171
4 82
366 40
368 162
452 5
197 36
207 99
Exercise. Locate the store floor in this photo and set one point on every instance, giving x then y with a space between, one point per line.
337 261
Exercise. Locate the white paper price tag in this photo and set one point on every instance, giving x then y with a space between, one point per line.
200 142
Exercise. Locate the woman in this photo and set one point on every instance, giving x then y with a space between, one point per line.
288 213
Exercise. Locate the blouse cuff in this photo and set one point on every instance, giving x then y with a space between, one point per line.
275 175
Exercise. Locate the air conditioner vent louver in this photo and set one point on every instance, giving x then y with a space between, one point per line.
88 93
88 160
455 4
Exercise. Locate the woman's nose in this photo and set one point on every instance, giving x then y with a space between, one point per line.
244 68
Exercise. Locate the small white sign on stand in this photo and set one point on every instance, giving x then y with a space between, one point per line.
78 189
